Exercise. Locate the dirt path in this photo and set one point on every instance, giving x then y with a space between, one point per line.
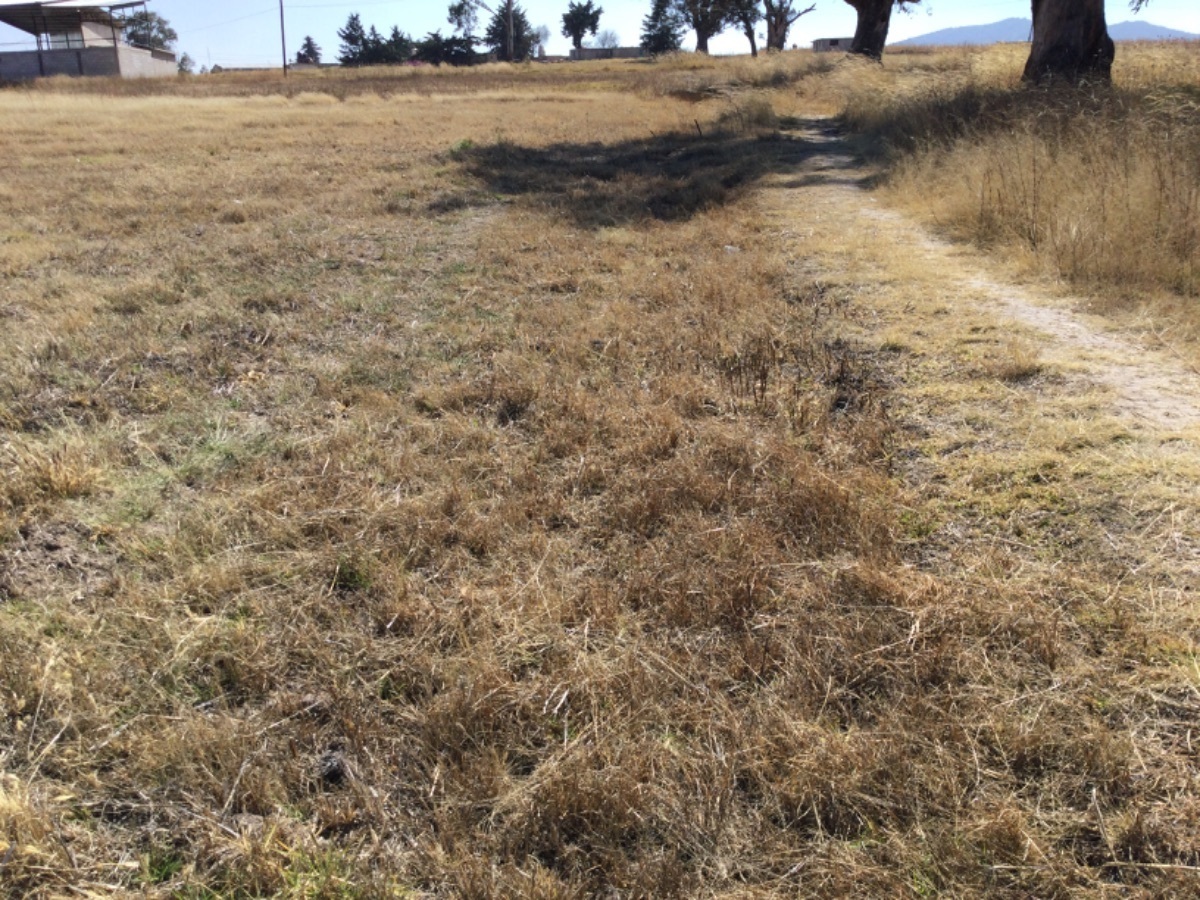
1148 387
1035 442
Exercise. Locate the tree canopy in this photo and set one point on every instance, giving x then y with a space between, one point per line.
780 16
580 20
148 29
663 28
438 50
707 18
497 39
363 47
309 53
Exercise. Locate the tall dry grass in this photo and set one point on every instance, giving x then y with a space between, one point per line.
1100 185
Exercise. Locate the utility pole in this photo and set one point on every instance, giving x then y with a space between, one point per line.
283 38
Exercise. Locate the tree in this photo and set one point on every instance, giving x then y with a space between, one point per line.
464 17
705 17
309 53
513 45
608 39
541 39
663 28
147 29
580 20
1071 41
354 42
451 51
746 14
374 50
874 19
187 65
399 47
780 16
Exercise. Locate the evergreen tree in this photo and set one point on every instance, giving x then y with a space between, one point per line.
309 53
663 28
187 65
579 20
452 51
399 47
496 36
374 49
354 42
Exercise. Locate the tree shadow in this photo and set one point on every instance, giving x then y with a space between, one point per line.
667 178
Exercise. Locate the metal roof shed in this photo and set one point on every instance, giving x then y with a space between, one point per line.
78 37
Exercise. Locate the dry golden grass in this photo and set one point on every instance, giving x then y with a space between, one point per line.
1098 186
451 494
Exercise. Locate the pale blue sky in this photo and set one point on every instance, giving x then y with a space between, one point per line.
246 32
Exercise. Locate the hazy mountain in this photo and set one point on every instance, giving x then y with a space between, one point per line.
1010 30
1145 31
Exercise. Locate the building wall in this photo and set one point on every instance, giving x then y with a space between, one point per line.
139 63
128 62
97 34
608 53
829 45
22 66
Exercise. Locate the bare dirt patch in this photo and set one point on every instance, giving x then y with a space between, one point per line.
52 559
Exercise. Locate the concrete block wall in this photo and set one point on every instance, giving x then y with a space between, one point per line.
608 53
22 66
128 62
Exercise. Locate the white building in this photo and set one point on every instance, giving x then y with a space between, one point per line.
78 37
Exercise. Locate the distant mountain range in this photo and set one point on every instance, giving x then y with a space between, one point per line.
1017 30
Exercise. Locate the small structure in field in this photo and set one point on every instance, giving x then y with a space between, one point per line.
832 45
78 37
608 53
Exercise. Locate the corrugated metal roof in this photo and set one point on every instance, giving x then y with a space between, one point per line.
57 15
50 5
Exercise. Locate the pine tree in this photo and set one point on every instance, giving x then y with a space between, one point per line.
663 28
399 47
354 42
453 51
309 53
496 36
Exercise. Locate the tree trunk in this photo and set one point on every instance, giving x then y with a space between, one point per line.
777 30
1070 40
874 18
701 42
749 30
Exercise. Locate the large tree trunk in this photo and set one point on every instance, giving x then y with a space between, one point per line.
749 32
780 15
701 42
874 19
777 30
1070 40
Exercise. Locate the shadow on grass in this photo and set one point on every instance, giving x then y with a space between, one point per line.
669 178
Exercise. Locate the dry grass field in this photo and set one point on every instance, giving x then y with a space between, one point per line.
539 482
